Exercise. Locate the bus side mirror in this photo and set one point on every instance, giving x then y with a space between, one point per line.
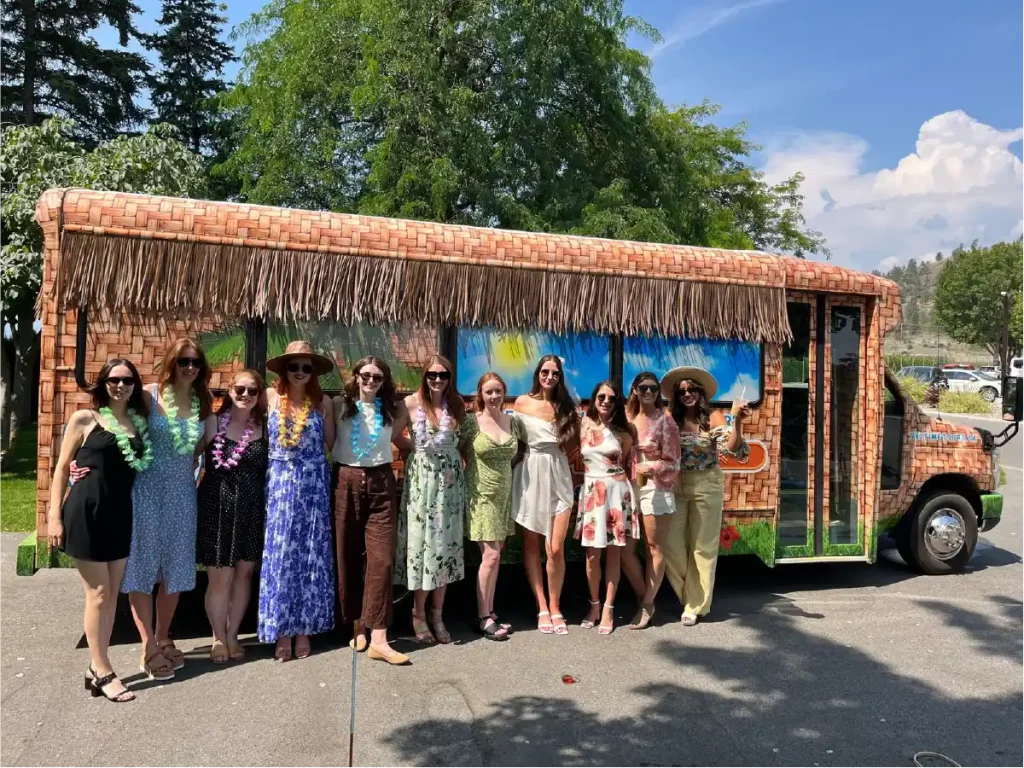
1013 390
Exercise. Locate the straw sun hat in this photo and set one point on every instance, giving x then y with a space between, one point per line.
699 375
279 364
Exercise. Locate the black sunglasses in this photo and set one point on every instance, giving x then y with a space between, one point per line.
438 375
606 398
646 389
185 362
551 374
376 378
300 368
240 390
113 381
695 389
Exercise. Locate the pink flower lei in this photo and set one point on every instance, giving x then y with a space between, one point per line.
218 443
423 437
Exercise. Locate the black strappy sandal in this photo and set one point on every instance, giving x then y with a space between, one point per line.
99 683
492 631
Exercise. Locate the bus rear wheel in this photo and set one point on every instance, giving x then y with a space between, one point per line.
939 535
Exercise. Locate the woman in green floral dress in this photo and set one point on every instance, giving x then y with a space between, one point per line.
430 523
491 438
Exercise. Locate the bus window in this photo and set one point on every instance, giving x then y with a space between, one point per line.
514 355
845 404
892 437
736 365
793 508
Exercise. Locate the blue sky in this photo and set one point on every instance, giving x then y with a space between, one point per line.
904 116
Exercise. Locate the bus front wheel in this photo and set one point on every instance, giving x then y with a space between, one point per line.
939 535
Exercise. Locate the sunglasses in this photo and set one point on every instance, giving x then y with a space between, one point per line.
240 390
683 391
545 374
647 389
300 368
376 378
438 375
113 381
195 362
606 398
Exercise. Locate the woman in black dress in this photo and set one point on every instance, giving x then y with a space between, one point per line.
94 524
232 507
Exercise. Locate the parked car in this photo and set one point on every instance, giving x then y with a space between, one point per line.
958 367
926 373
988 386
990 369
1017 367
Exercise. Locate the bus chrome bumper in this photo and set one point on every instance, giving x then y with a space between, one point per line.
991 510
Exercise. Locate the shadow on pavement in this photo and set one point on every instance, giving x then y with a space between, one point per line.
790 698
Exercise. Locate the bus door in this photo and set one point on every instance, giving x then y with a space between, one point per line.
823 431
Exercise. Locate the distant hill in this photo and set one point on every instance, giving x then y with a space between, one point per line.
917 286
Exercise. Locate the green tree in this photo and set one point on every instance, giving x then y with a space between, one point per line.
192 59
508 113
34 159
53 67
968 301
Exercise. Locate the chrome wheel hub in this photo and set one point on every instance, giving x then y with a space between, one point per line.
945 533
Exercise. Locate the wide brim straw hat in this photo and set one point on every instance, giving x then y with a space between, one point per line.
699 375
321 364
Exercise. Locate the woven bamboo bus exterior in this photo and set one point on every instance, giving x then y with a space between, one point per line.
151 269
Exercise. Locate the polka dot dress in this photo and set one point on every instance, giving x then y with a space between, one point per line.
232 508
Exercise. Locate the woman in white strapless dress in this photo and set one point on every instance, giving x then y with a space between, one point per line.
542 493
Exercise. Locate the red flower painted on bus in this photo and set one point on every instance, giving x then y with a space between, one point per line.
728 537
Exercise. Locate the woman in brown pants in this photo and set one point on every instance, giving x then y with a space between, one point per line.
370 418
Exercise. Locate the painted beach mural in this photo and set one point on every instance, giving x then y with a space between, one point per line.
736 365
514 355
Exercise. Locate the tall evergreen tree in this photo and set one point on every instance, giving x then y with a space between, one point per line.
53 67
192 59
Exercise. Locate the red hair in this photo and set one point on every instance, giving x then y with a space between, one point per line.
201 385
478 401
313 391
456 407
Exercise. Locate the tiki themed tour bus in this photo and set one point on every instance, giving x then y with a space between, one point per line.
839 453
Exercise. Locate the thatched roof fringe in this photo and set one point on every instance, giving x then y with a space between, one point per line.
179 278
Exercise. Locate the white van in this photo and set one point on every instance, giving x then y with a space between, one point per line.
1016 368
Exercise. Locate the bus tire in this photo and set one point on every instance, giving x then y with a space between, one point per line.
940 534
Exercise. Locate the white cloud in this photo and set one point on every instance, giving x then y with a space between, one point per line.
701 19
961 183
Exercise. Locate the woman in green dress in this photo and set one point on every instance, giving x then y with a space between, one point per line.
491 439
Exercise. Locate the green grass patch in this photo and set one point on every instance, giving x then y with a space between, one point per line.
915 388
18 484
755 539
963 402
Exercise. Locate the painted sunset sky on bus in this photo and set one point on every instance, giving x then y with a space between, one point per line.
736 365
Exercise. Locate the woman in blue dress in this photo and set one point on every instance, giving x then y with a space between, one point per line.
297 577
163 549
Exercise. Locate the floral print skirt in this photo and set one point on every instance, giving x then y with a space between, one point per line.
431 521
607 513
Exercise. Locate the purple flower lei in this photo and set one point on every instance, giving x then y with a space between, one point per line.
218 443
423 437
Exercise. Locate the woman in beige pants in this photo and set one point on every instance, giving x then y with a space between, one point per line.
691 547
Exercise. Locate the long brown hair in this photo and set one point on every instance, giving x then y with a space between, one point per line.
567 418
259 411
478 400
386 393
618 422
313 391
633 404
201 385
456 407
703 406
100 396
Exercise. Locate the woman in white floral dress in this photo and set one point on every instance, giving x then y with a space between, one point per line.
608 518
430 522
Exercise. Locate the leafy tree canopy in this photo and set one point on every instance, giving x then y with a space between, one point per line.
511 113
968 300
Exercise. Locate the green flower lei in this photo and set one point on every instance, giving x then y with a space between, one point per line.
136 462
182 444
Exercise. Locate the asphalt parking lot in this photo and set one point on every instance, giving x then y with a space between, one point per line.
826 664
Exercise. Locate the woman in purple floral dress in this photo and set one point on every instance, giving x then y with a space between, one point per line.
297 577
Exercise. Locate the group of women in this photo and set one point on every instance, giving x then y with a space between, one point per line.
134 519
